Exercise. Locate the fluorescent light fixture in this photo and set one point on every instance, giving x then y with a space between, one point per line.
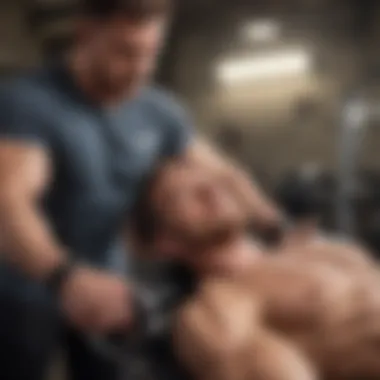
261 31
267 66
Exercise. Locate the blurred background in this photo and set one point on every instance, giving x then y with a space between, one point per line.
285 87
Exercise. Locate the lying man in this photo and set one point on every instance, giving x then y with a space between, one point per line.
305 313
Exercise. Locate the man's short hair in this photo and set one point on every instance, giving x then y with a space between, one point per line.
134 9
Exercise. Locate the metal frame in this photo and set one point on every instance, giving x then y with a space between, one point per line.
357 112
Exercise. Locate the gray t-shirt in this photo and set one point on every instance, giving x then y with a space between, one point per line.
100 156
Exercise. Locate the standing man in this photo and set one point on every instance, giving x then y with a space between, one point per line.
77 139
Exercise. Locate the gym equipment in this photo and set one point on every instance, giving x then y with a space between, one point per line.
359 110
145 353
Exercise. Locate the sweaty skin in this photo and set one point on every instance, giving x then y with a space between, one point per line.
308 310
322 314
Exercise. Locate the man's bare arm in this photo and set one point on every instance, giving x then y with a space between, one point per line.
220 335
26 239
262 208
213 327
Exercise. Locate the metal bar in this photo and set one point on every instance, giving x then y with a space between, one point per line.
355 117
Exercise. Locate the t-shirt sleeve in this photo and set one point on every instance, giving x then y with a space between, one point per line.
179 130
179 136
22 116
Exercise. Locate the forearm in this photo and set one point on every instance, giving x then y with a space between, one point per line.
27 241
259 204
261 208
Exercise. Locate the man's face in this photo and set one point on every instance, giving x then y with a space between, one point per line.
122 53
194 204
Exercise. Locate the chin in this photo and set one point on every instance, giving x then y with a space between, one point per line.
117 90
130 92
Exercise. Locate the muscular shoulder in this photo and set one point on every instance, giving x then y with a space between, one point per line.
163 104
347 252
32 89
340 244
27 106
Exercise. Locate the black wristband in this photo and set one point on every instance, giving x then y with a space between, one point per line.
59 276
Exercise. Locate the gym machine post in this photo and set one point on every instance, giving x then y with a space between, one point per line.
359 111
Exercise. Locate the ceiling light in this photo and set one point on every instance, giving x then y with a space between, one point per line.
267 66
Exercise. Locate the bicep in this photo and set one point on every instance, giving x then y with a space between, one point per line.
25 141
25 169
